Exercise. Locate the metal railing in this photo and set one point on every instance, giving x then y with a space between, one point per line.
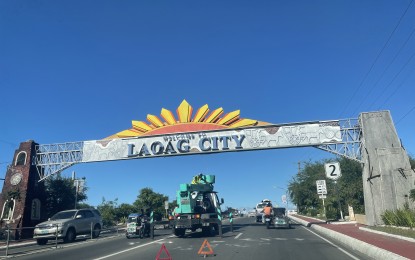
7 243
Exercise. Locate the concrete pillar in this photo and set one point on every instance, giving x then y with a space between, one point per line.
387 174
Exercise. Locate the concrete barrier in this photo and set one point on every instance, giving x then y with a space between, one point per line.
361 219
361 246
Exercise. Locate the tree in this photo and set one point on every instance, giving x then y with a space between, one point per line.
350 185
122 212
412 192
302 188
148 200
60 194
172 205
412 161
108 211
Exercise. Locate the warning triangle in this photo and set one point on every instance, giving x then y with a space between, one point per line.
203 247
163 248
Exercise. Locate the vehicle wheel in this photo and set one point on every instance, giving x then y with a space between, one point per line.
179 231
267 224
141 233
70 236
128 237
41 241
96 231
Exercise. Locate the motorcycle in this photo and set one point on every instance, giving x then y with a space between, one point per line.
268 221
144 228
137 226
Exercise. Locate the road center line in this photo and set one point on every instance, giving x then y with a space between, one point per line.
123 251
238 235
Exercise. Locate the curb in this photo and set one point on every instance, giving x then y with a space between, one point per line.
387 234
356 244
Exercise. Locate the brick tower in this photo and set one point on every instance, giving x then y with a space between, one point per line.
22 197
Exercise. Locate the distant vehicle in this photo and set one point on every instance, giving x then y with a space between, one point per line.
252 214
68 224
259 207
280 218
137 226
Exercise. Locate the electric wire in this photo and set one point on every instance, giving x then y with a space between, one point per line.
376 59
383 74
396 90
412 109
395 77
9 143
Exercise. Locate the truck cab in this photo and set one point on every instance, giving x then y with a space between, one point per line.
198 206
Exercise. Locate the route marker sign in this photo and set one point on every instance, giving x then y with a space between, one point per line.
332 170
163 248
202 249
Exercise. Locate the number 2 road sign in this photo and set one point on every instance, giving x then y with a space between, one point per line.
332 170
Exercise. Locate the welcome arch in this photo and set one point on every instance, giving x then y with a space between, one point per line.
370 139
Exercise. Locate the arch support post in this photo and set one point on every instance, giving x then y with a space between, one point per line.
387 175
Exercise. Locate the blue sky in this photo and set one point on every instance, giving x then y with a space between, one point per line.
82 70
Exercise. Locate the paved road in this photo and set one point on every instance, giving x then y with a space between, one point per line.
248 241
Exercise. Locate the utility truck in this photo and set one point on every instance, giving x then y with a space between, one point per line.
198 207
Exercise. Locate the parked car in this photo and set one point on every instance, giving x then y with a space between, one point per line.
68 224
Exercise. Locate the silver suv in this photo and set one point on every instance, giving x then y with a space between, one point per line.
68 224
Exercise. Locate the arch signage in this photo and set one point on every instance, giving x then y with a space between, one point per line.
205 134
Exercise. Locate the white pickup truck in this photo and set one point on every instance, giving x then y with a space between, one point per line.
259 207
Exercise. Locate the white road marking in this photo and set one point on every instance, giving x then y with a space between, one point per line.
299 239
236 245
123 251
240 234
266 239
341 249
248 239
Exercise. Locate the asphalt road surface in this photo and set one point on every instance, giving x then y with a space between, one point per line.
249 240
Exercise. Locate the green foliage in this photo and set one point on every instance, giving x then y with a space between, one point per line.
400 217
124 210
84 206
331 213
412 161
312 212
60 194
148 200
303 191
412 195
108 212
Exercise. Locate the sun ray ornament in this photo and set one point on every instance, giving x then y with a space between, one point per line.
185 121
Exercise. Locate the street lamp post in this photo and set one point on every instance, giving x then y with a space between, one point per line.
77 182
286 195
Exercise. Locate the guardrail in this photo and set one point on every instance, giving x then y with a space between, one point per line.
7 243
